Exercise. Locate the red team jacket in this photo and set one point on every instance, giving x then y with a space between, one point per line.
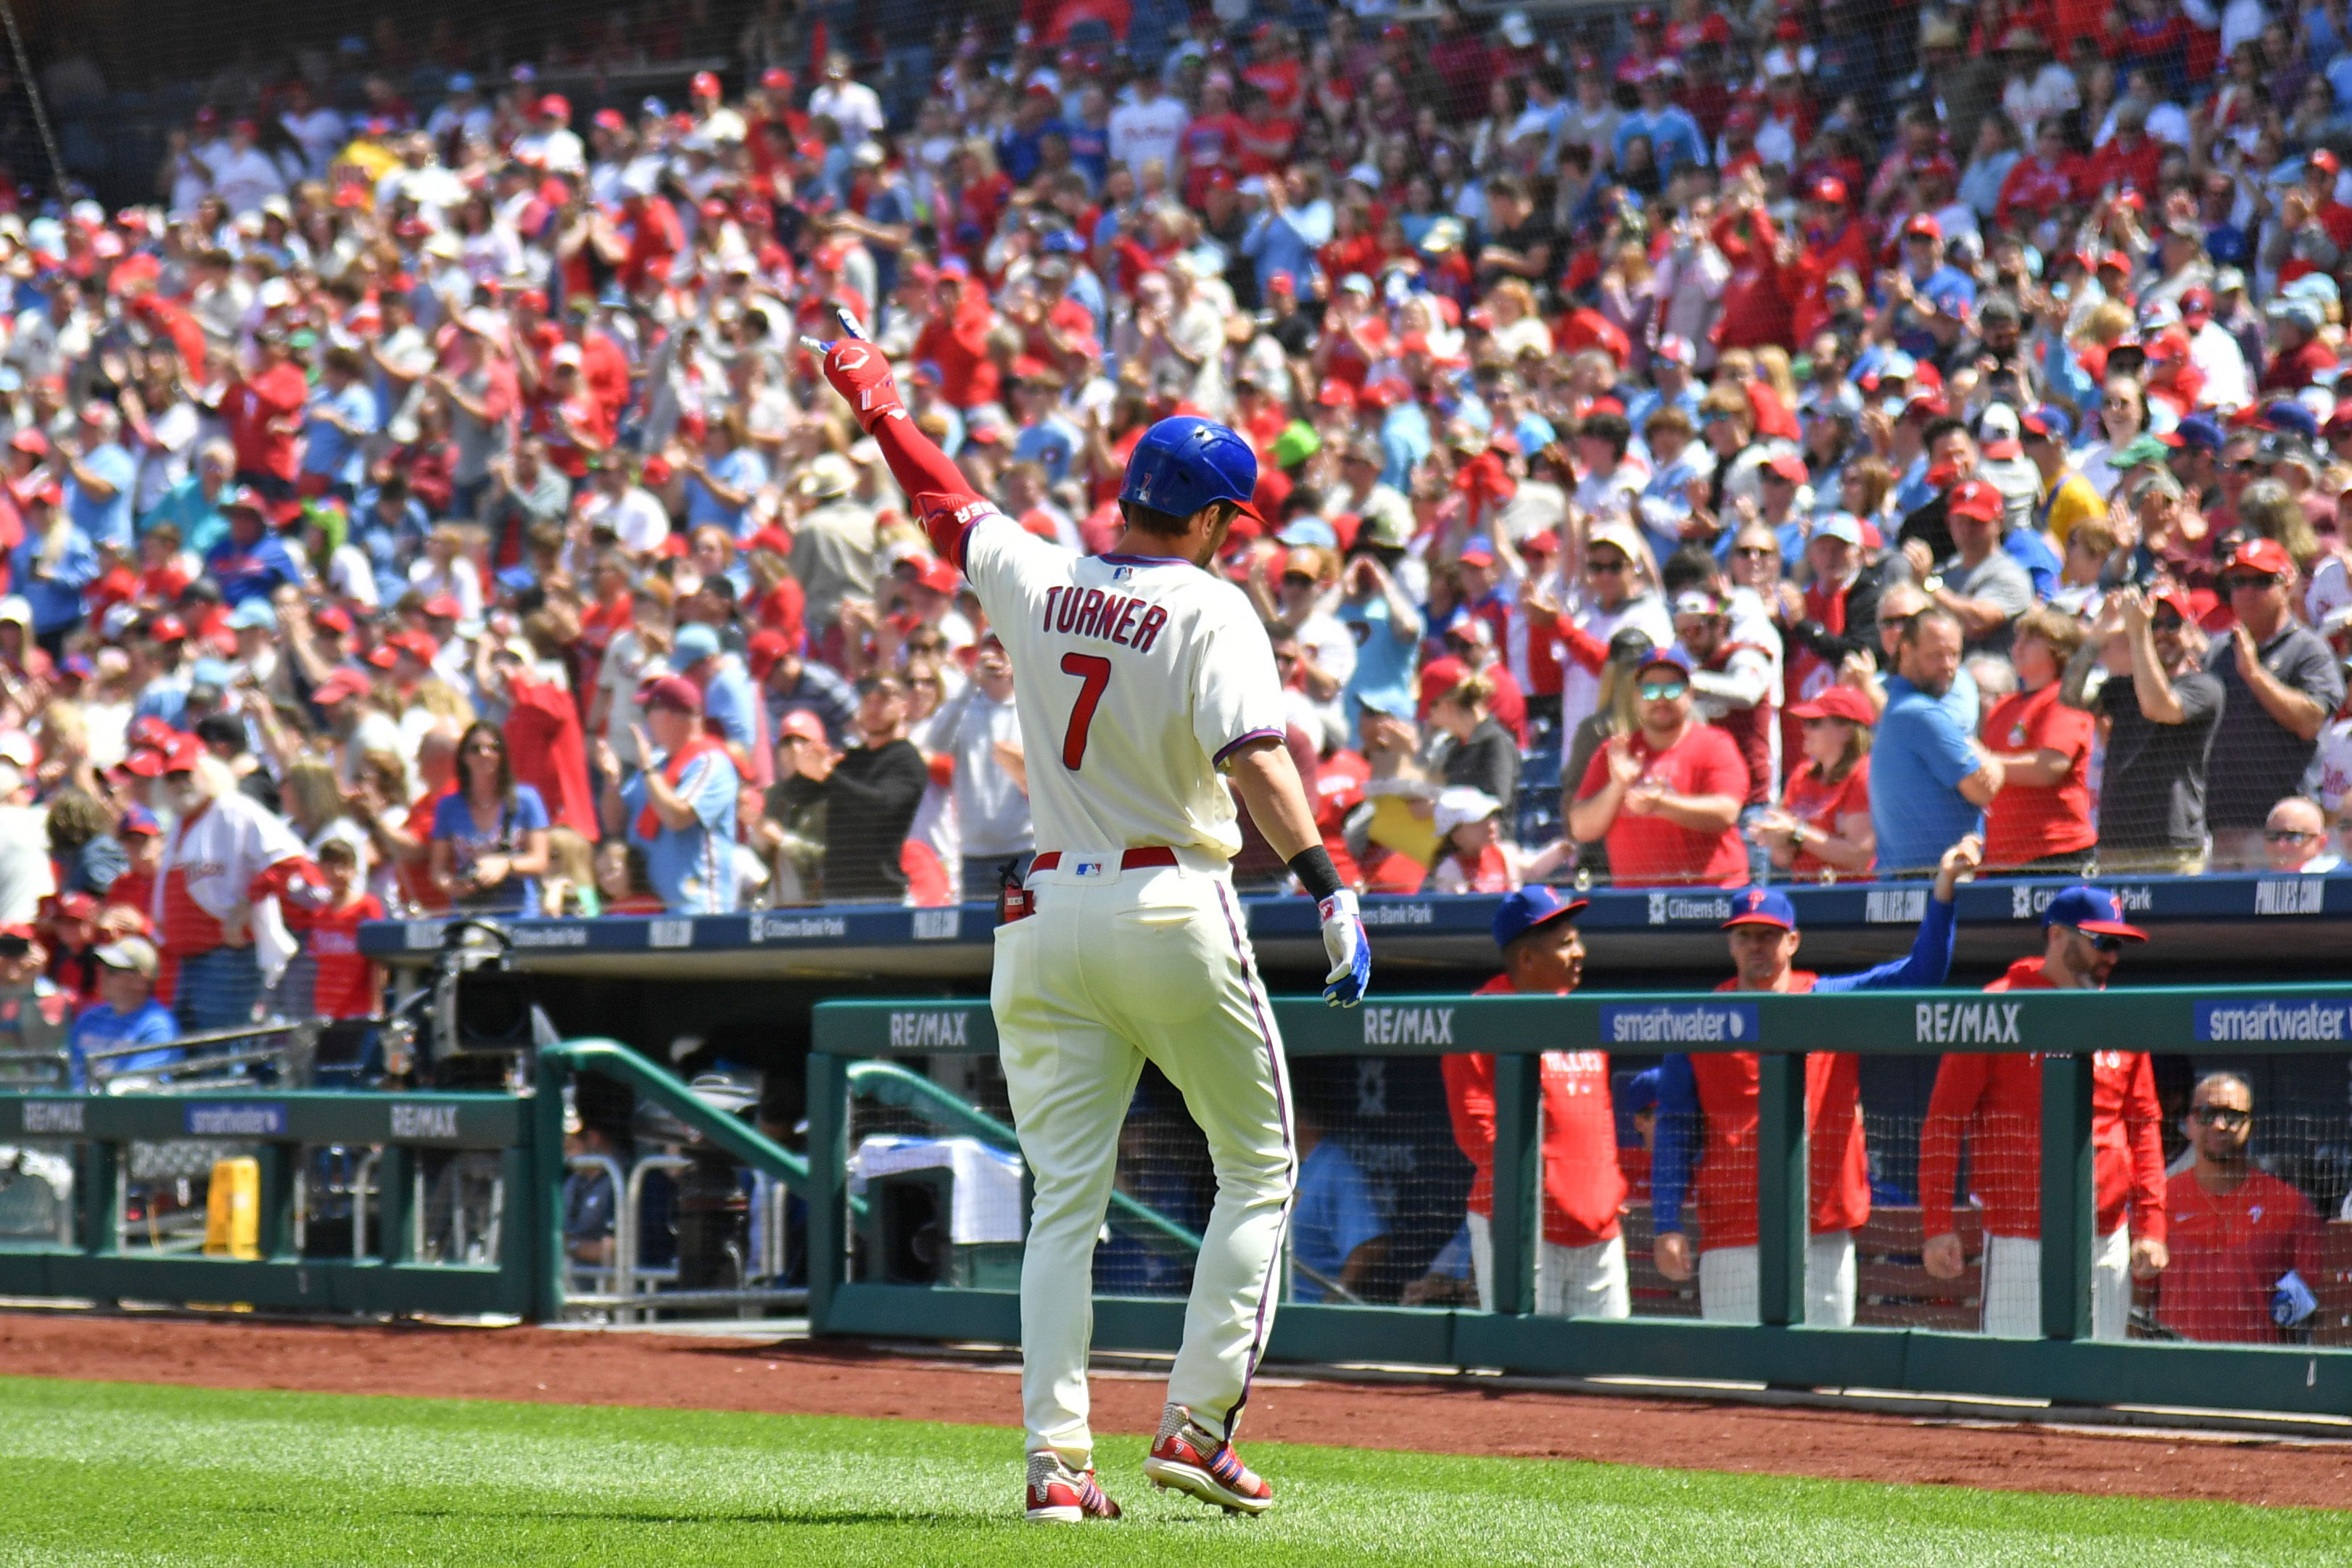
1583 1185
1995 1102
2229 1250
1723 1187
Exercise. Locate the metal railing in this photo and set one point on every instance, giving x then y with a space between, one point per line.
519 1235
2063 1028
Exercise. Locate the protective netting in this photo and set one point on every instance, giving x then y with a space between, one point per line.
1390 1208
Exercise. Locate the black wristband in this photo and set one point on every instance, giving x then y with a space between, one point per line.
1315 873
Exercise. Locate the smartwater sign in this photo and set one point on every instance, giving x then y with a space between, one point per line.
236 1120
2284 1019
1681 1024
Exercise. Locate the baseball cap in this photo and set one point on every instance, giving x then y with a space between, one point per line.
1830 189
341 686
181 757
1618 536
675 692
695 642
1997 431
2267 556
418 646
1837 703
1461 805
1663 659
1920 226
134 952
1762 906
137 820
2286 414
1975 499
939 576
1696 602
443 608
1674 349
1787 466
799 722
2094 910
253 616
1336 393
1477 551
2048 422
1530 907
1842 525
2196 432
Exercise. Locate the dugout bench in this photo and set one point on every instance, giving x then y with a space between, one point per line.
2064 1365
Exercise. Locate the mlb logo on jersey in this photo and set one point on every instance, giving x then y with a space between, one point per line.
1089 870
1121 574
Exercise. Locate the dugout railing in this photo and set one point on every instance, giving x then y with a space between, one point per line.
2064 1365
514 1143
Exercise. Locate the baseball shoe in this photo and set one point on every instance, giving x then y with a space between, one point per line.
1187 1459
1060 1495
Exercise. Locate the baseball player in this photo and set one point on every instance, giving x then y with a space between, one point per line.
1581 1270
1995 1102
1146 689
1708 1107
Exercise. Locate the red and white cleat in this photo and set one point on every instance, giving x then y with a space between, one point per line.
1060 1495
1187 1459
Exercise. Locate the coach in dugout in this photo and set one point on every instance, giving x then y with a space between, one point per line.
1707 1117
1580 1267
2245 1244
1994 1104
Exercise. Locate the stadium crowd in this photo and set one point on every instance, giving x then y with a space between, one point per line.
426 500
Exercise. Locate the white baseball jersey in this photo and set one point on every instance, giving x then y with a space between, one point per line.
1136 676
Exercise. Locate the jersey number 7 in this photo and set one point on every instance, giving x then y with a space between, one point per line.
1095 670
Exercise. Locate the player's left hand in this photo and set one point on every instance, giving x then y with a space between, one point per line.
1345 944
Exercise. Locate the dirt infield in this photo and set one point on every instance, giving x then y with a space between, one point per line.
796 1377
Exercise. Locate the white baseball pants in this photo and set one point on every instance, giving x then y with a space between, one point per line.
1114 968
1570 1281
2013 1286
1728 1291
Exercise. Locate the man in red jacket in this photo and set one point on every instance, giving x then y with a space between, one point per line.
1581 1268
1708 1118
2245 1245
1834 241
1995 1103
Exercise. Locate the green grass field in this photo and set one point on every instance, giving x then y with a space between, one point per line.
118 1474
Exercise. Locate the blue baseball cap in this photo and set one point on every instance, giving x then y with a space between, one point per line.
1530 907
1664 659
2048 422
2285 414
1640 1090
1185 462
2094 910
1762 906
694 643
2196 432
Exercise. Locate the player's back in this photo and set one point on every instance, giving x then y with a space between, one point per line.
1134 677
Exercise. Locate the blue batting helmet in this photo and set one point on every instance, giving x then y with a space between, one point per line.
1183 464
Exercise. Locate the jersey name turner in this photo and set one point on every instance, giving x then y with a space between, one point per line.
1091 613
1135 679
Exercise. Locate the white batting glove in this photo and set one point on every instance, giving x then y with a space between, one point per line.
1345 944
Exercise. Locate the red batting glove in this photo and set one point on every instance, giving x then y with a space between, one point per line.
859 373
